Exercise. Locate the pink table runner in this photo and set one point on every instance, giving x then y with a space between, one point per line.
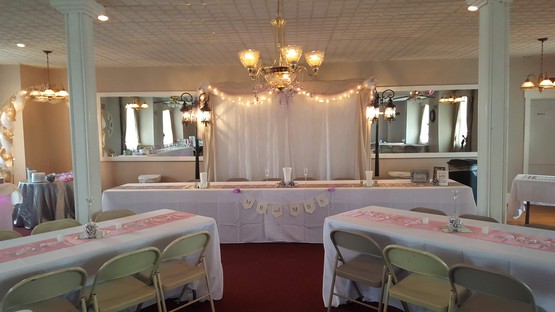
274 185
48 245
516 239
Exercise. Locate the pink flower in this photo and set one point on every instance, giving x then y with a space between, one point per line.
236 190
331 189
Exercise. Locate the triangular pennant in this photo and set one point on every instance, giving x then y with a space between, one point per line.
248 202
322 200
309 206
262 207
295 209
277 210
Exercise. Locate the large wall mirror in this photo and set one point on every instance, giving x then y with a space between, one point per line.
430 119
144 125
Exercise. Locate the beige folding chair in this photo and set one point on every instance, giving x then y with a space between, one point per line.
116 286
429 210
181 263
46 292
9 234
113 214
368 267
489 291
54 225
236 179
478 217
427 284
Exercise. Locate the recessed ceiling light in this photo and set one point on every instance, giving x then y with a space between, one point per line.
21 45
103 18
472 8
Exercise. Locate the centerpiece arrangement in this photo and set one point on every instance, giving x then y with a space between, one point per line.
287 181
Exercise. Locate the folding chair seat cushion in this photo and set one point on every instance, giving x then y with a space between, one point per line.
177 273
483 302
122 293
423 290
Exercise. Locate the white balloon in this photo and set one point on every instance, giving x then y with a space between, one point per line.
2 163
19 102
5 144
6 121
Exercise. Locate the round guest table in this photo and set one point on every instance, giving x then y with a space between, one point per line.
44 201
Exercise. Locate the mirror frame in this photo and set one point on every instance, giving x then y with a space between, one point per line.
137 157
428 154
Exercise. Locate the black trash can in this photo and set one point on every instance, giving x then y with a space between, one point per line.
465 171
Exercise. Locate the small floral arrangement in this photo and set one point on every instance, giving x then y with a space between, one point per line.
331 189
286 184
236 190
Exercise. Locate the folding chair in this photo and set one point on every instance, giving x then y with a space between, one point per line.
45 292
427 284
181 263
113 214
429 210
478 217
368 267
54 225
489 291
9 234
116 286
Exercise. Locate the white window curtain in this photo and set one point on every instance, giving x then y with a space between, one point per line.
460 136
132 129
167 127
424 136
292 132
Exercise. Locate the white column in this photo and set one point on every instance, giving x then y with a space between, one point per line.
493 99
79 16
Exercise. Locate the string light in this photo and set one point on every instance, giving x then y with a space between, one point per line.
265 97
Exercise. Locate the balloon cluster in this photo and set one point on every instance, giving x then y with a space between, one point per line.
7 125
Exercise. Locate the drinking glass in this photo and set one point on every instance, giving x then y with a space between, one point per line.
267 173
305 173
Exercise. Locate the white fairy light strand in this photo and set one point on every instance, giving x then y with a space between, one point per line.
266 97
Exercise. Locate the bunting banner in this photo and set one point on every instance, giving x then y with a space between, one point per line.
308 205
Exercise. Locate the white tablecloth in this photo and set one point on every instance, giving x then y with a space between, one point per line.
535 267
92 254
237 224
537 189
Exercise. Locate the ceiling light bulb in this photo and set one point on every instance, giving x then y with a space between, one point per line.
20 45
472 8
103 18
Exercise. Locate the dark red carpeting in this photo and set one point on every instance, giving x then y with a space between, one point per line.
271 277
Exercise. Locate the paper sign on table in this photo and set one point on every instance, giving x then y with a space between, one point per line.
322 200
248 202
262 207
295 209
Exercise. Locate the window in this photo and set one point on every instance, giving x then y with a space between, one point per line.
167 127
461 126
424 136
132 130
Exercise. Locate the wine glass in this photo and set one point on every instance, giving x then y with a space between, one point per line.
267 173
305 173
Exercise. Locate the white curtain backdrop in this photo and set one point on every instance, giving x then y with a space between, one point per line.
288 131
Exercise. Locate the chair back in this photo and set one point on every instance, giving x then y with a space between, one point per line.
478 217
54 225
187 245
414 260
9 234
45 286
127 264
113 214
491 282
353 241
429 210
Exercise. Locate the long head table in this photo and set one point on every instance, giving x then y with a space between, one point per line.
527 253
30 255
261 212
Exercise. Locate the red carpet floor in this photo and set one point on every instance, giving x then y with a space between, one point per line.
271 277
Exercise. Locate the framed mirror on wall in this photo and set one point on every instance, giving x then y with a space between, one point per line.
430 119
144 124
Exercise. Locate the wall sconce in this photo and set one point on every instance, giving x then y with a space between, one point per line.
390 110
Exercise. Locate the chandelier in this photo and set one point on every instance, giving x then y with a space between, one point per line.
136 104
46 92
543 81
174 102
285 70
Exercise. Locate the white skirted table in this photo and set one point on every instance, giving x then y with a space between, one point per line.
527 189
30 255
261 212
526 253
